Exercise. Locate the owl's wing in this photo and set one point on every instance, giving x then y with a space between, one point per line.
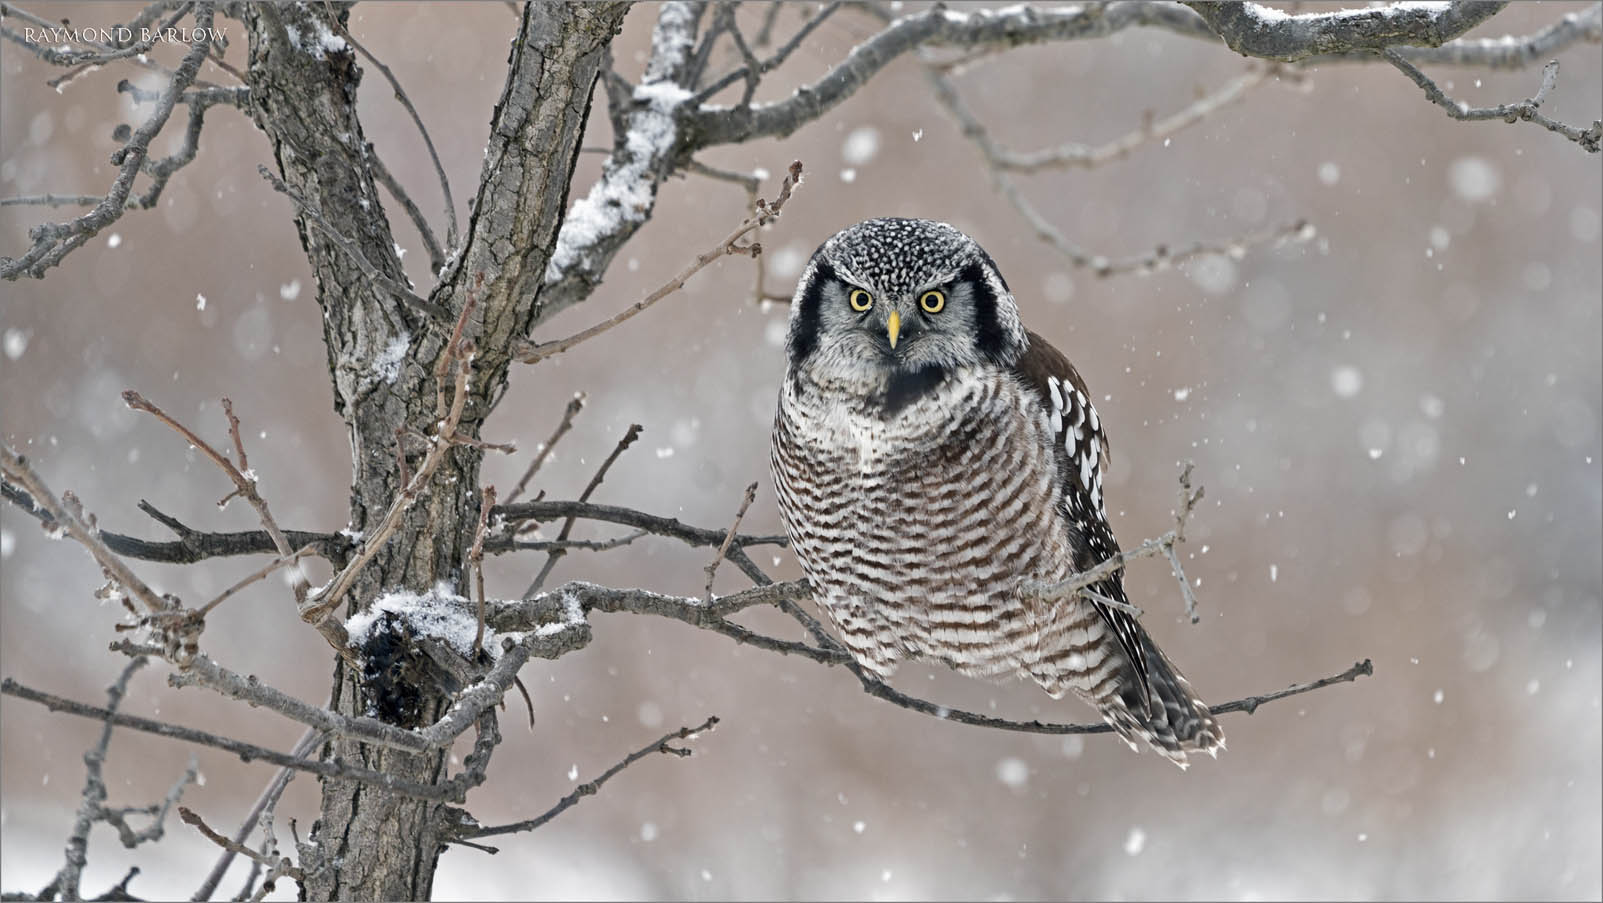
1081 449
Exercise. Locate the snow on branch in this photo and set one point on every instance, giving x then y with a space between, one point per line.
621 201
1506 52
1252 29
764 212
938 26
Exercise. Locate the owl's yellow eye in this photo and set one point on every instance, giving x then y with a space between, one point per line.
860 300
932 302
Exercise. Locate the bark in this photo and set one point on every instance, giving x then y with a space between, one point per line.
368 844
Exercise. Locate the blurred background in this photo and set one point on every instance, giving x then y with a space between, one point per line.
1396 422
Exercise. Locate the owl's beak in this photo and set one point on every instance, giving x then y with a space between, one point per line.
893 327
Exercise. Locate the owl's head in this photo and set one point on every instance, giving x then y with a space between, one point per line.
902 295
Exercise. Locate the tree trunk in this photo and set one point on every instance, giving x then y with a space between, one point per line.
368 844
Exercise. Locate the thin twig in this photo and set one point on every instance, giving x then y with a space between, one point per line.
1088 157
191 818
400 95
94 791
244 481
54 241
17 470
530 353
246 751
1529 110
551 509
1160 257
575 405
419 221
660 745
556 554
587 545
259 574
528 613
308 741
766 66
751 184
734 530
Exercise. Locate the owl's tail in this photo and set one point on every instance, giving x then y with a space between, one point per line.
1175 721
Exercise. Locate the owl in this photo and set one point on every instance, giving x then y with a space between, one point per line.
936 464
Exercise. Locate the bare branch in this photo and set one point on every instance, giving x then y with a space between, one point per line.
244 480
53 241
439 170
1160 257
193 545
753 70
588 545
1083 156
246 751
52 200
591 597
260 574
1528 110
17 470
590 788
265 801
620 202
1250 704
205 672
556 554
552 509
575 405
419 221
94 791
734 528
937 26
191 818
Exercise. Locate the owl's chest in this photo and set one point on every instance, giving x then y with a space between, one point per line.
858 440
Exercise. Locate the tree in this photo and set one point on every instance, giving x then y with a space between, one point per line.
417 373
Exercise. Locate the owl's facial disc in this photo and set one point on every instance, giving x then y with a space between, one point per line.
892 296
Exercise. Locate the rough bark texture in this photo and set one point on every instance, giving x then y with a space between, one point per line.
368 844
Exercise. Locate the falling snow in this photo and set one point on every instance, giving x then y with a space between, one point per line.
1135 842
